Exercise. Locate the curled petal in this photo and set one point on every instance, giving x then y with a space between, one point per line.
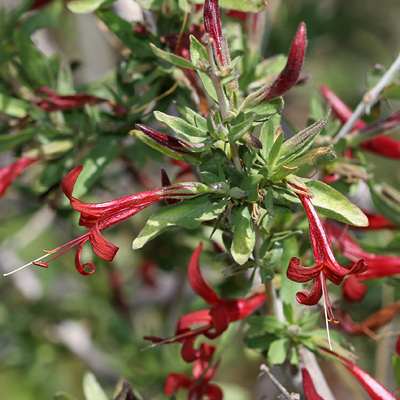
78 263
242 308
198 283
214 392
312 298
188 352
297 273
220 319
353 289
9 173
174 382
308 386
101 246
188 321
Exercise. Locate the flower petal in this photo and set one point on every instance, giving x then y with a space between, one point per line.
312 298
174 382
198 283
101 246
308 386
297 273
78 263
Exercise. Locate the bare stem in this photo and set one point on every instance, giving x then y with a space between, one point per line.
280 387
223 103
369 99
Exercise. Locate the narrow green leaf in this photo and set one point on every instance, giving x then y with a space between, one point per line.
237 131
12 106
198 53
92 389
333 204
245 6
11 140
84 6
396 368
261 324
208 85
190 158
138 45
244 237
275 150
172 58
192 117
182 128
187 214
278 350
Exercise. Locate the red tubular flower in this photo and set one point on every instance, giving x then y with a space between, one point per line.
176 145
56 102
11 172
379 266
377 221
308 386
290 74
209 322
383 145
326 264
99 216
212 25
374 389
198 386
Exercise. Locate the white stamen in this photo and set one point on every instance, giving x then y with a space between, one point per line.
326 315
27 265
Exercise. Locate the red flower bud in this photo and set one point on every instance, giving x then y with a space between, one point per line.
290 74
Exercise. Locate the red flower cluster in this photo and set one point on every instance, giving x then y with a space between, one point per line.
199 385
326 264
211 322
383 145
379 266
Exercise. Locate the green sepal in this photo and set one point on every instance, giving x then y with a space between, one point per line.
172 58
187 214
333 204
244 236
300 143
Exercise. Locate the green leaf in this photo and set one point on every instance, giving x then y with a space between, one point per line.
84 6
333 204
172 58
182 128
187 214
14 139
63 396
245 6
244 237
261 324
385 199
190 158
152 5
95 163
237 131
277 351
396 368
393 92
251 185
12 106
138 45
267 134
192 117
92 389
208 85
275 149
34 65
198 53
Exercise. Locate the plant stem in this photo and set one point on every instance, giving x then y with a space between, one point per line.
223 103
369 99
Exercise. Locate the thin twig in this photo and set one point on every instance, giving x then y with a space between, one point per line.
369 99
280 387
